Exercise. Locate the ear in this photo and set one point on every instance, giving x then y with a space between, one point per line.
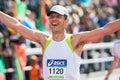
66 22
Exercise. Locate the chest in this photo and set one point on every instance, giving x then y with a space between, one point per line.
58 50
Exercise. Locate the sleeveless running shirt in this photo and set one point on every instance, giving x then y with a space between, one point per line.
60 62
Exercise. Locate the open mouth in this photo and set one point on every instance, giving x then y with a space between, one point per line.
54 24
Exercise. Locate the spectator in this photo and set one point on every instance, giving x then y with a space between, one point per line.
34 72
30 22
40 67
116 55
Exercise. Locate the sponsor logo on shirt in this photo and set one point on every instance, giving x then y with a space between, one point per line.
56 63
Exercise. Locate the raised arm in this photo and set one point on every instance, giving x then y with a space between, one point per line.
97 34
80 39
30 34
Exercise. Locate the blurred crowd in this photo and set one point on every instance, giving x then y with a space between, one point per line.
85 15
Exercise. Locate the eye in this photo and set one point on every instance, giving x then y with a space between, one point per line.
51 17
59 16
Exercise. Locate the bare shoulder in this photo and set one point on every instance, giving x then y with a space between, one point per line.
82 38
78 39
41 37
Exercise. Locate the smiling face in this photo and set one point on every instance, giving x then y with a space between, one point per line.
57 22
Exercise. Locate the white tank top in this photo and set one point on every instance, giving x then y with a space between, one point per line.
60 62
116 48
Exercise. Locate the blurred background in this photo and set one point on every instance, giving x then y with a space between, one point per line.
21 59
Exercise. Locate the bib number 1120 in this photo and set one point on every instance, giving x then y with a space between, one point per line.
56 70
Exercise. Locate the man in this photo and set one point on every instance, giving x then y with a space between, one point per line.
60 51
116 55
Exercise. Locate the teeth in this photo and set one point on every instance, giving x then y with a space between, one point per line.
54 24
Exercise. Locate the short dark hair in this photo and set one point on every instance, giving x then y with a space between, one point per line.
65 16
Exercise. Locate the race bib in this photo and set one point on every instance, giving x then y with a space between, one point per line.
56 68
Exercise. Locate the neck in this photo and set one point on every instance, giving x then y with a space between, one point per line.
59 36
